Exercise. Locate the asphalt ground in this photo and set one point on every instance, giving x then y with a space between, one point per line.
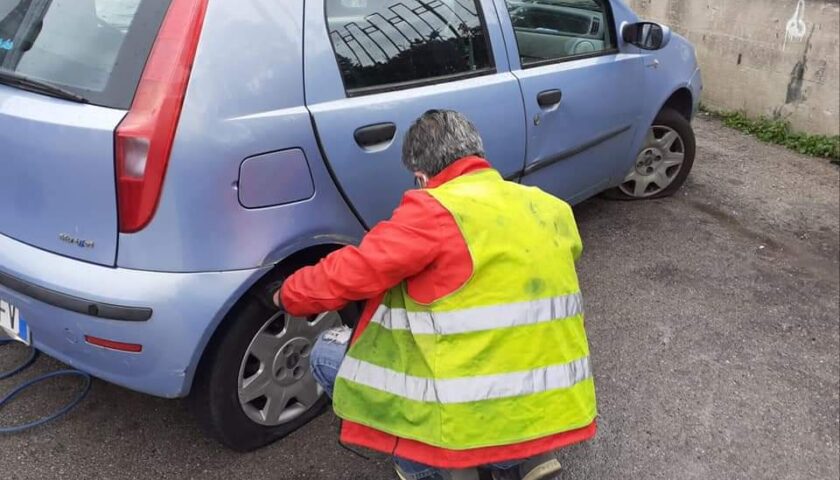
713 322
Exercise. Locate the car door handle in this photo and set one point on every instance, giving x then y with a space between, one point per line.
548 98
375 134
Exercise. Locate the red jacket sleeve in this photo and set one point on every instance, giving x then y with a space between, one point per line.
392 251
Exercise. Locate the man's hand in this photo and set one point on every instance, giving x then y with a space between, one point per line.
277 298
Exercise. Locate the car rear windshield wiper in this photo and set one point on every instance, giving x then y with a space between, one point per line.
28 83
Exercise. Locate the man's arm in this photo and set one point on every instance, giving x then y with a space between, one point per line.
391 252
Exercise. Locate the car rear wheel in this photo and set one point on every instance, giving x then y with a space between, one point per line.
254 385
664 161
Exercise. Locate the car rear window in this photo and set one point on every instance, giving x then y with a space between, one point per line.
94 48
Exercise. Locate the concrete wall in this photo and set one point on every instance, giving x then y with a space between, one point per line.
749 64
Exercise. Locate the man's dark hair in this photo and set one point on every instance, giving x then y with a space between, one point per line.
437 139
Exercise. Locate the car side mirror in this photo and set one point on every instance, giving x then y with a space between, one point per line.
646 35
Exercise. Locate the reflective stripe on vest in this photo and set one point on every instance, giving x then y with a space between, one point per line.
467 389
480 318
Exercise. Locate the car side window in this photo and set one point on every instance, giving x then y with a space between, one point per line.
552 30
392 44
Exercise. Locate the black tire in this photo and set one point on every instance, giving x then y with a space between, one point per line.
676 121
214 397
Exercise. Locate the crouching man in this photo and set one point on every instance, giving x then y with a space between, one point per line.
472 349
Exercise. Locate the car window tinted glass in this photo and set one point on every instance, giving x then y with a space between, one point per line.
381 43
549 30
95 48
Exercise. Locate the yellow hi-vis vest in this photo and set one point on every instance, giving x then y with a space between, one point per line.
502 360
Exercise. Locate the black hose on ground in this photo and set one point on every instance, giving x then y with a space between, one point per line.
4 400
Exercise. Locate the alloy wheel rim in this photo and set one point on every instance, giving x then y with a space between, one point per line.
657 165
275 384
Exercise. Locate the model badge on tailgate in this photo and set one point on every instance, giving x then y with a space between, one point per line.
76 241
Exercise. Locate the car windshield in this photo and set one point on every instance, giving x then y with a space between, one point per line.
94 48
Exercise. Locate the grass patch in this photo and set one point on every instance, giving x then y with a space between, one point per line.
778 131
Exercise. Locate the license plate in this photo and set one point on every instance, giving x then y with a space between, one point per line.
13 324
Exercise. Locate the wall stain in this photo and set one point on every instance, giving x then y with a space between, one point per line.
795 93
677 10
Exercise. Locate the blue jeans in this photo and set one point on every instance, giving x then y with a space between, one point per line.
326 358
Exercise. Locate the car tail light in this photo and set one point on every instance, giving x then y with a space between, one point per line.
144 137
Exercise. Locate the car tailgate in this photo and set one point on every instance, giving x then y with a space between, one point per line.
57 189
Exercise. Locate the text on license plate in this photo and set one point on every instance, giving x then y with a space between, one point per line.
12 324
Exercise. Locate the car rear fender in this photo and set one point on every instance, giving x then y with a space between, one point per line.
308 251
239 107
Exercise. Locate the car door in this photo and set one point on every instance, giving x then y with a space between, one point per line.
373 66
582 96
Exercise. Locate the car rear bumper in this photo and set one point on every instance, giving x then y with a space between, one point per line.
172 315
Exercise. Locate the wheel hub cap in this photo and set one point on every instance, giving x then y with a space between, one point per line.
275 383
292 360
657 165
648 161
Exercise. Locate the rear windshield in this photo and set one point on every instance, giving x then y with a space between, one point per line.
94 48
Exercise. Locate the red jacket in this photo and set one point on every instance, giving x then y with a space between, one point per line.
420 241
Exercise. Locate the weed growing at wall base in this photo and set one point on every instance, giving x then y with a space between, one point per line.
779 132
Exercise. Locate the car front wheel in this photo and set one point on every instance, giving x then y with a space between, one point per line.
664 161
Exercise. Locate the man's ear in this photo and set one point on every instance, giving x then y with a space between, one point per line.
277 300
422 179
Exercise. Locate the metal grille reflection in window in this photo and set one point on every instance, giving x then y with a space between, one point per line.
385 42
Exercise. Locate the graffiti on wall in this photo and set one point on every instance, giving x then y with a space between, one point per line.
795 28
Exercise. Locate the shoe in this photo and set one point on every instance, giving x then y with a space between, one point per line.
400 473
541 467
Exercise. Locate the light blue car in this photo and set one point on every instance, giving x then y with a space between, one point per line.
165 163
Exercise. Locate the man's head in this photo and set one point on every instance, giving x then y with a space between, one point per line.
437 139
